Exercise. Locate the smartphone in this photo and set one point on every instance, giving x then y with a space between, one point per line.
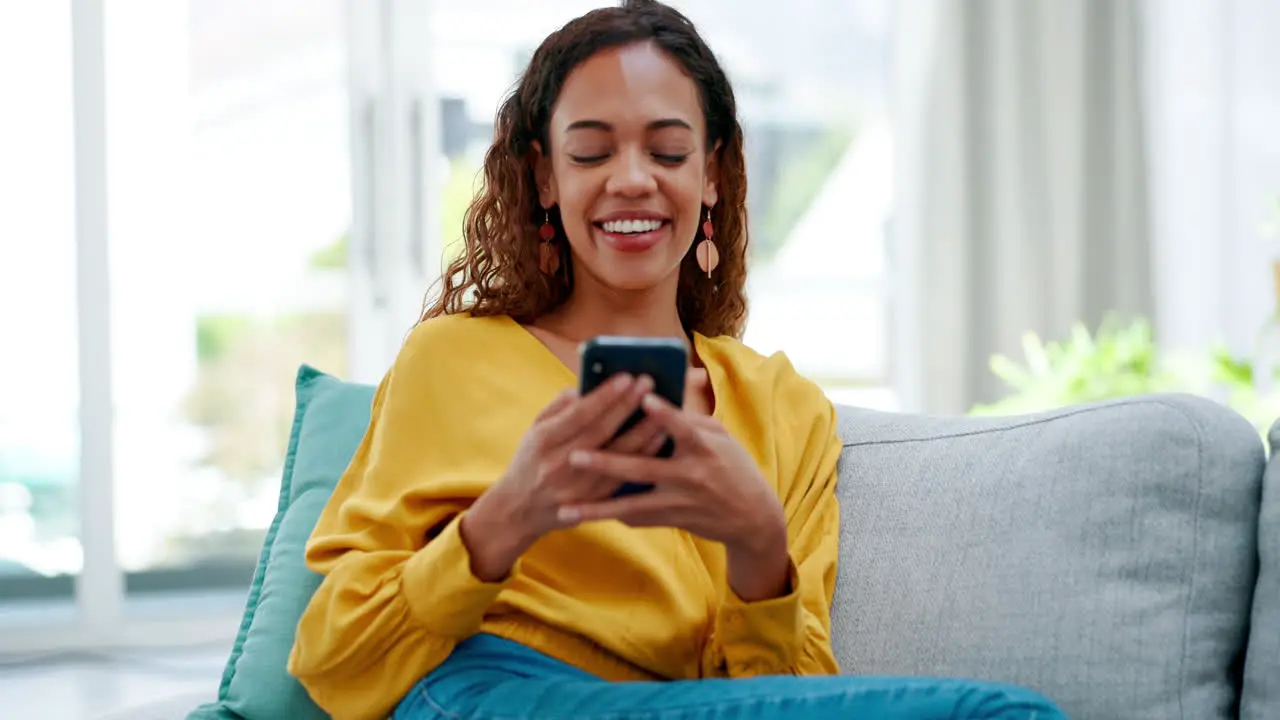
663 359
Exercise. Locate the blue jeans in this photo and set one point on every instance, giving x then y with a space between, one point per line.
490 678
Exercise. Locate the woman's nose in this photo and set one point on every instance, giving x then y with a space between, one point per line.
631 175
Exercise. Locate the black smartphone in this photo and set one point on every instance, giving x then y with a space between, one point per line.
663 359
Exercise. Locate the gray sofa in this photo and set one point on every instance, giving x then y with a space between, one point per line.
1119 557
1122 558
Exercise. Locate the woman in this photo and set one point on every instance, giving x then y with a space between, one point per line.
475 562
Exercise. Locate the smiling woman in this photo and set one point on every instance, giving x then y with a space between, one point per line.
624 126
488 567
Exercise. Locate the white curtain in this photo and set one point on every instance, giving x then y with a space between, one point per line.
1214 99
1022 192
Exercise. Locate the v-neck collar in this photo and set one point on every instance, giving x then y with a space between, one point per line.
554 365
543 354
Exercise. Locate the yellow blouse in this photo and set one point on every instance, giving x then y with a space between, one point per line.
619 602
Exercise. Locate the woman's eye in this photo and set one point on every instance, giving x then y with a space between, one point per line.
597 158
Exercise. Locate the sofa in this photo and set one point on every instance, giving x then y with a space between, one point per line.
1121 557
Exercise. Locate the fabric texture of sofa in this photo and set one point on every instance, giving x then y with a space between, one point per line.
1123 557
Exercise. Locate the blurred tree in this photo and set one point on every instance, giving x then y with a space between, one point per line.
797 185
331 257
243 395
465 182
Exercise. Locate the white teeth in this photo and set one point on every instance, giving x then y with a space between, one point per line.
631 226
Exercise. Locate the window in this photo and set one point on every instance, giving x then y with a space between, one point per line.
230 207
39 383
228 193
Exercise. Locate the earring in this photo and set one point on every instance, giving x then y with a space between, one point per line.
707 254
548 251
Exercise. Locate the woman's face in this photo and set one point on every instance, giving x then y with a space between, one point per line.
629 167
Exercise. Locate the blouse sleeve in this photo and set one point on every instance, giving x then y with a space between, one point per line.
398 592
791 634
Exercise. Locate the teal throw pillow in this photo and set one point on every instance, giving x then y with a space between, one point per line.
328 425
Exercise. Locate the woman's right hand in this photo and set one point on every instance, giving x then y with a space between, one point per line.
522 506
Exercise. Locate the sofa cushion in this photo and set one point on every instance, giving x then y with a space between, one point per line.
1261 698
1104 555
329 422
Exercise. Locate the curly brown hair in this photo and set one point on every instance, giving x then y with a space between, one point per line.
498 271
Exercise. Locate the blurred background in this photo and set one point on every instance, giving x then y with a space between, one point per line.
957 206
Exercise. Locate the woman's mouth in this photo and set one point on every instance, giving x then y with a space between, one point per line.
632 235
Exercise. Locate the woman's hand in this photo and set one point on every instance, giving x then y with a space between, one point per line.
524 504
711 487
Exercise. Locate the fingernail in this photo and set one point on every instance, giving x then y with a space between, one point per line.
568 514
645 383
622 381
579 458
651 402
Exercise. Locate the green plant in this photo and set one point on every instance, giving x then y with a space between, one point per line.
1116 361
1121 360
1239 381
331 257
216 335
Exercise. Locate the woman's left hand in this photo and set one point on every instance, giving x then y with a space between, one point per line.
710 487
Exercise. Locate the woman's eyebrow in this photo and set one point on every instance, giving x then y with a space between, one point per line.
602 125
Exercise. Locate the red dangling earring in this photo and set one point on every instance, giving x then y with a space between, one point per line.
707 254
548 251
